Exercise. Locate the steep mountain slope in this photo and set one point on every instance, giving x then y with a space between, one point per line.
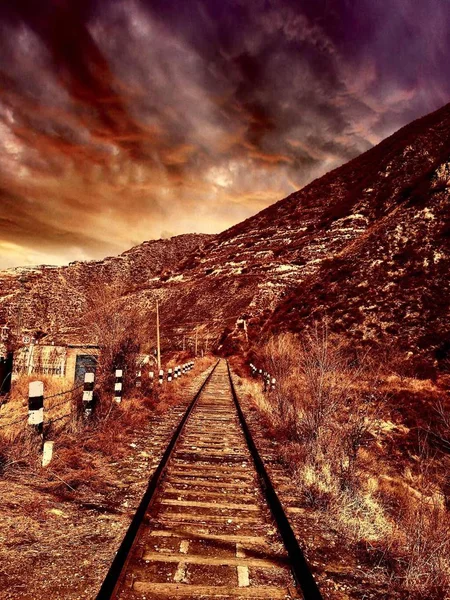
367 245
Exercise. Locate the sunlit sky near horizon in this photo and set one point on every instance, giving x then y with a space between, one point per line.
125 120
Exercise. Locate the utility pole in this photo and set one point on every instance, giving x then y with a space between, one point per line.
245 330
184 344
158 342
196 340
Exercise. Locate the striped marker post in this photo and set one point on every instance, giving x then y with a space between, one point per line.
118 386
175 373
273 384
36 405
88 394
169 375
161 376
152 378
138 379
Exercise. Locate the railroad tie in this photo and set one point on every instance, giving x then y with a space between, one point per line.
208 531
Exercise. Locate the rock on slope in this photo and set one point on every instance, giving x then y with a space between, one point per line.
367 245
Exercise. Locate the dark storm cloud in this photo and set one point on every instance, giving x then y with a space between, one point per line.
121 119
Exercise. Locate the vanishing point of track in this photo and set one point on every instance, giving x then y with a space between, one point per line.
210 524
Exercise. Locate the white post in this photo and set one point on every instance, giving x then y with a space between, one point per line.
118 386
152 377
273 383
47 454
138 379
88 393
169 375
36 404
161 376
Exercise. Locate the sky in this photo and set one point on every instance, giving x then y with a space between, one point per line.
128 120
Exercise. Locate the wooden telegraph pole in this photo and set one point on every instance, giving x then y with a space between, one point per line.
196 340
158 343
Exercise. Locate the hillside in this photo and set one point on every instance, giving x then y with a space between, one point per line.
367 245
53 299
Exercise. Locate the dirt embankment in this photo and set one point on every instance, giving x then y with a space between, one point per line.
383 533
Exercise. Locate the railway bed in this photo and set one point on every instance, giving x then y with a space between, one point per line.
207 527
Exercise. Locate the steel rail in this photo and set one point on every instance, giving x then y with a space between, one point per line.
299 566
117 568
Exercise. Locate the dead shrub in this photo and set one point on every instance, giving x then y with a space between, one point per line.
327 409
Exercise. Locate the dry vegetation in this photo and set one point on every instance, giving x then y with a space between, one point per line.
375 480
84 449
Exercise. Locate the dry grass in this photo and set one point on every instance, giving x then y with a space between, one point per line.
329 409
84 450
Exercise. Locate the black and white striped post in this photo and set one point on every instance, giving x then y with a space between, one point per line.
138 379
36 405
161 376
273 384
88 394
175 373
118 386
169 375
151 376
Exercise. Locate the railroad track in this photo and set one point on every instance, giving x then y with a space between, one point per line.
210 524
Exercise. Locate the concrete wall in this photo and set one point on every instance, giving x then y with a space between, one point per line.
49 360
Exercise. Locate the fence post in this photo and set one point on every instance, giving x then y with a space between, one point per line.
36 405
273 383
88 393
152 376
47 453
138 379
161 376
169 375
118 386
